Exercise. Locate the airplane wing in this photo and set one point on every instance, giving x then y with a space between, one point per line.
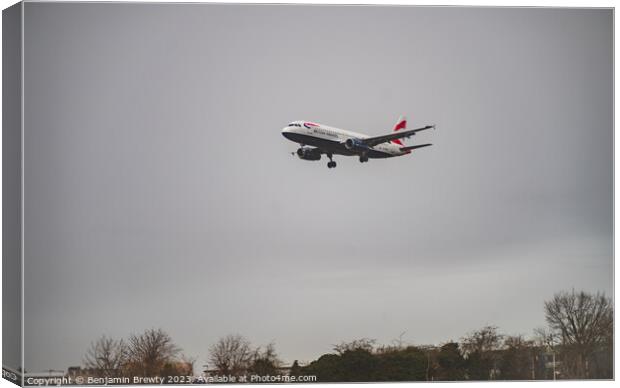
373 141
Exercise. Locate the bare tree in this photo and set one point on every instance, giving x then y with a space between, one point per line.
106 357
188 362
484 340
399 343
584 323
265 361
231 355
518 359
151 352
481 348
545 338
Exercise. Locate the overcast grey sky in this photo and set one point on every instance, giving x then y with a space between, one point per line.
160 193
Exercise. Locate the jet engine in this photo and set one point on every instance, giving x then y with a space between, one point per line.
307 153
355 145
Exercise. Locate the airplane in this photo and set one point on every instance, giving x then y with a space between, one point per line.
317 139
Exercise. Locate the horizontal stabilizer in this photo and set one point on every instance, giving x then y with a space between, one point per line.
414 147
375 140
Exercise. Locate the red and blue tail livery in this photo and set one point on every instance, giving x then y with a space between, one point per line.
400 124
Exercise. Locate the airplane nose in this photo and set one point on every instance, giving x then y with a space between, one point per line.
287 132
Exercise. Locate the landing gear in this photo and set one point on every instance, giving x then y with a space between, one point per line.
363 158
331 163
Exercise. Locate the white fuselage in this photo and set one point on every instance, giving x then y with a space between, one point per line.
332 140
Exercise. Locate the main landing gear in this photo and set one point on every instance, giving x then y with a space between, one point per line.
363 158
331 163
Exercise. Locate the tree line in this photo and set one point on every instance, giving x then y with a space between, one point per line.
152 353
576 344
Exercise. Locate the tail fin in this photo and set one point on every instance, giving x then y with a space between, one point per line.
400 124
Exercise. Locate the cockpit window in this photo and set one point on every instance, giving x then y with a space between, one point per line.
294 125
